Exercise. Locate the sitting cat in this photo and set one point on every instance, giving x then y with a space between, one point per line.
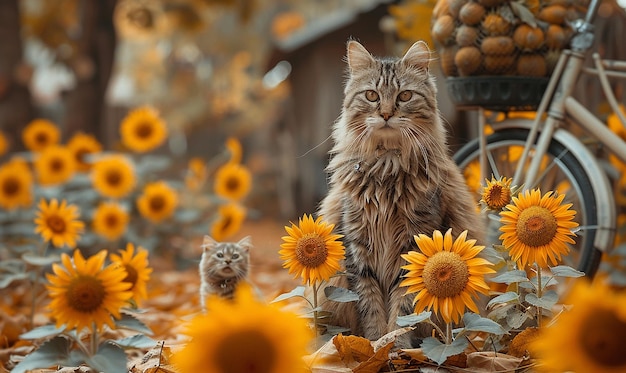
222 267
391 177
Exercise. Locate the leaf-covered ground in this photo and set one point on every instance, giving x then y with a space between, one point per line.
173 299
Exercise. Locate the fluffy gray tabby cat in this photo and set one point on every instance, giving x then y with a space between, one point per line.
391 177
222 267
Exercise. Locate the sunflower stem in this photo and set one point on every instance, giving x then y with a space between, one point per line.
37 270
315 289
449 333
94 339
539 294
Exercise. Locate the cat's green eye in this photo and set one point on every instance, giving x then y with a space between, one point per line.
220 255
405 96
371 95
235 256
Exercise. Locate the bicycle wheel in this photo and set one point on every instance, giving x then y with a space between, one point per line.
560 171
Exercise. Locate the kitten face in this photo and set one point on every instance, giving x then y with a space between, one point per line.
390 104
225 259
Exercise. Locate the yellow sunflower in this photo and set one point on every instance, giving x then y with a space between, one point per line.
446 274
4 144
84 293
311 251
229 219
157 202
196 174
39 134
142 130
589 338
537 229
110 220
236 152
54 165
232 181
16 181
137 270
58 223
81 145
113 176
497 194
244 335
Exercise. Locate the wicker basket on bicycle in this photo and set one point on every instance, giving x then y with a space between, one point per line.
498 54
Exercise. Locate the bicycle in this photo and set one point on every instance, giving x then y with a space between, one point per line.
552 156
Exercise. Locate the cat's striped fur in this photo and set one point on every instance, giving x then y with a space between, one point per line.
222 267
391 177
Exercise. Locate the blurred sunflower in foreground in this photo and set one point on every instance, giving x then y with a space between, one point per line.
58 223
537 229
244 335
589 338
86 294
311 251
446 275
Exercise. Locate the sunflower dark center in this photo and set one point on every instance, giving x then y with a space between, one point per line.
232 183
445 274
131 275
144 130
311 250
10 186
536 226
57 164
56 224
80 155
113 178
85 293
601 338
111 220
245 351
226 222
157 203
42 138
498 196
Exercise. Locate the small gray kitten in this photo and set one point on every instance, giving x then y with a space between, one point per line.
222 267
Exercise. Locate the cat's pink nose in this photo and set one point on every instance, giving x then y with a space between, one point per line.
386 116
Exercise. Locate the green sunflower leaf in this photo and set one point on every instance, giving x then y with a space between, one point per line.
511 277
297 292
547 300
6 280
503 298
136 341
42 332
52 353
109 358
128 321
515 318
41 261
338 294
566 271
477 323
413 319
439 352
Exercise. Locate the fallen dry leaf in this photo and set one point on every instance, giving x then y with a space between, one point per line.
489 361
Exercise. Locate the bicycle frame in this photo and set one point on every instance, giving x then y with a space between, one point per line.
560 107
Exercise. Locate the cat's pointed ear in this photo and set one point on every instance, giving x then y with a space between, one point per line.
245 242
208 243
358 57
417 56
